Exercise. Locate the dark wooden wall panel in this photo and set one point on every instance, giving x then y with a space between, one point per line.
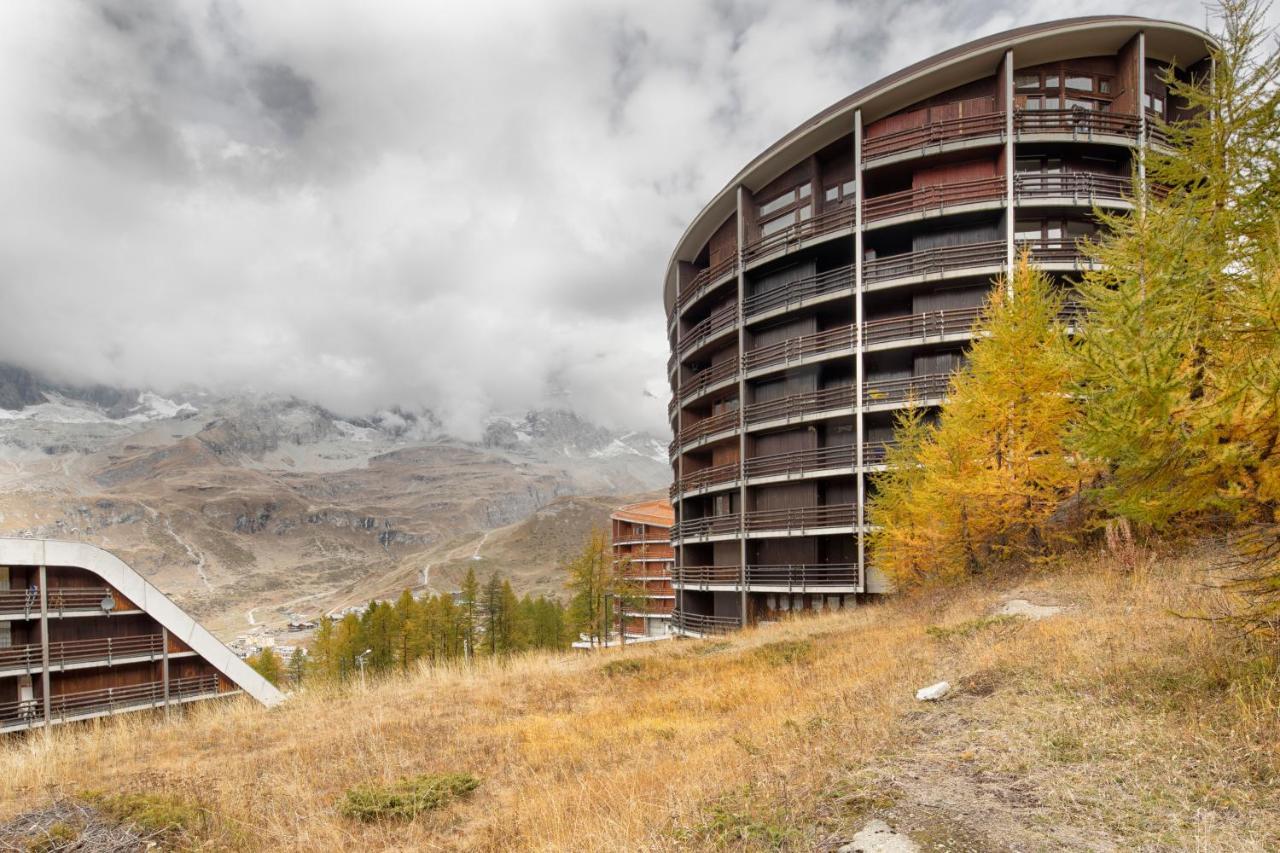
949 173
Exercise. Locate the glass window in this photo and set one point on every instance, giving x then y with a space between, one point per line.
831 194
805 212
1024 229
1051 103
805 189
1080 229
1155 104
1104 85
778 203
1026 82
847 188
1079 83
773 226
1034 104
1051 81
1080 103
1027 164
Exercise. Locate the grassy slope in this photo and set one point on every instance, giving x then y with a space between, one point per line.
1112 724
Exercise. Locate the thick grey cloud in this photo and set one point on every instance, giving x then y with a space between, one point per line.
463 206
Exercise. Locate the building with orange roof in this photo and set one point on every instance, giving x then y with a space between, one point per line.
640 536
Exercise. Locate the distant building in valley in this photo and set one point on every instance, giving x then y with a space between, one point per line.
83 635
640 536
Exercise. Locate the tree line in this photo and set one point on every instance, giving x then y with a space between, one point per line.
1157 408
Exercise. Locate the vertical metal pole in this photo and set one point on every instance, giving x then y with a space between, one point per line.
1010 159
44 644
677 562
742 420
858 366
1142 120
164 666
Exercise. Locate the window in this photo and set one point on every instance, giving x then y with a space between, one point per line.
778 203
1155 104
1080 83
839 193
1026 82
1039 165
1104 85
1051 81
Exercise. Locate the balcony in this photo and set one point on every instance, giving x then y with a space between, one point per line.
948 324
804 406
843 577
1073 188
707 526
799 293
707 576
67 707
935 200
705 281
801 521
62 602
831 222
709 329
80 654
700 625
709 426
888 393
705 478
934 138
798 464
706 380
800 350
1077 125
931 264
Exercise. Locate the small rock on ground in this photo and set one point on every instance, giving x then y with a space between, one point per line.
1022 607
878 837
933 692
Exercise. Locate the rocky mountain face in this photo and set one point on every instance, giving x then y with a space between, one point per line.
249 508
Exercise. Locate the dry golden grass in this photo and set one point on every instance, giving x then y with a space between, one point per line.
1114 724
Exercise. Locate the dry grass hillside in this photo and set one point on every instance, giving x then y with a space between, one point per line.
1111 725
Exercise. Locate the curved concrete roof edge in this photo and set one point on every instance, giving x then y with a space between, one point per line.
969 50
136 588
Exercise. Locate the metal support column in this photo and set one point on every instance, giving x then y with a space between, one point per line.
164 666
1142 121
1010 153
742 423
858 323
677 561
44 645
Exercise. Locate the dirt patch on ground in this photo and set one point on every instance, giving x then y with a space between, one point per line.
70 825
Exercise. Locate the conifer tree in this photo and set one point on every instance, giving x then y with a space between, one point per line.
590 578
470 616
267 663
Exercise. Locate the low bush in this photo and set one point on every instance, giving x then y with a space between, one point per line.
407 798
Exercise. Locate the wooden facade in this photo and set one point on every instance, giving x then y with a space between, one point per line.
76 644
839 276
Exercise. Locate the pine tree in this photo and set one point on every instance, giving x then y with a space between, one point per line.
267 664
590 579
470 616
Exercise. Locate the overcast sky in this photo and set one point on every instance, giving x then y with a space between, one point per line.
465 206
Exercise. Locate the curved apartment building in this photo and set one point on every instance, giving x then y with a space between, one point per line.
840 273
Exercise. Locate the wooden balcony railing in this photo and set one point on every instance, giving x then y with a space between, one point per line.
706 575
823 223
804 577
106 700
697 286
797 348
934 133
710 525
651 607
696 623
711 476
704 379
709 426
700 333
795 292
800 519
874 452
938 197
798 405
1079 186
935 261
1077 122
928 387
63 652
802 461
27 601
929 324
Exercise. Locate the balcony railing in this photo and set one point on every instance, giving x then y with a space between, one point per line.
934 133
798 348
710 525
697 623
799 405
706 575
795 292
799 462
823 223
61 599
64 652
935 261
1077 122
709 426
804 577
711 476
106 700
800 519
937 197
697 286
1079 186
929 324
704 379
928 387
874 452
700 333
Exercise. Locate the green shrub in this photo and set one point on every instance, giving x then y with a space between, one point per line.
625 666
152 812
785 652
407 798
